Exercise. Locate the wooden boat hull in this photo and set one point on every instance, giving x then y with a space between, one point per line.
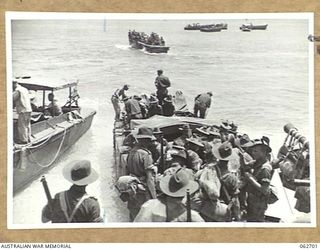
223 26
259 27
192 28
155 48
53 138
210 29
199 27
254 27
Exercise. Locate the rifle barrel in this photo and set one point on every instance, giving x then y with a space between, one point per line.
162 154
188 206
46 190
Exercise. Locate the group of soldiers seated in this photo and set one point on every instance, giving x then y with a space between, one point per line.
153 39
231 172
144 106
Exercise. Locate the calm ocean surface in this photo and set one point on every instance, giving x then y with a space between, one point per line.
259 80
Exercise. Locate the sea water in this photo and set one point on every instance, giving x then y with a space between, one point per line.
259 80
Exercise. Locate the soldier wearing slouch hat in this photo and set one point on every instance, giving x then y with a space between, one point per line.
75 205
140 165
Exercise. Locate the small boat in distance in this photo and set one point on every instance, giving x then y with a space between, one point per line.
254 27
152 44
245 29
197 26
51 135
211 29
194 26
223 26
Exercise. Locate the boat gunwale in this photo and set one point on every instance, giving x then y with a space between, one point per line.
153 46
54 127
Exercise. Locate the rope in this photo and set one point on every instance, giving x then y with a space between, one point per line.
38 145
287 199
46 140
57 153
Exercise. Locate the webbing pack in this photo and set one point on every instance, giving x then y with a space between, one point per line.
64 207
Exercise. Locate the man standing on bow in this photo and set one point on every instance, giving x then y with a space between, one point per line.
162 84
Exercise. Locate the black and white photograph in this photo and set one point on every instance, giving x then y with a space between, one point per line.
160 120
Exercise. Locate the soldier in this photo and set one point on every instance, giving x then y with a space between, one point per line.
53 107
140 165
169 206
224 153
207 201
75 205
154 108
158 149
214 136
259 181
162 84
133 109
186 133
117 96
194 148
168 107
202 103
21 101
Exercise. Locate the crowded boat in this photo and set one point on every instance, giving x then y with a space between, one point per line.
152 43
176 165
198 26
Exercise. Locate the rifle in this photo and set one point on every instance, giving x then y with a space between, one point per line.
47 192
162 155
188 206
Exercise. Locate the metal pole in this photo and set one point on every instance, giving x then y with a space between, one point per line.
162 155
43 99
70 98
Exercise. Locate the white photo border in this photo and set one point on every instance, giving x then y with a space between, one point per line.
11 16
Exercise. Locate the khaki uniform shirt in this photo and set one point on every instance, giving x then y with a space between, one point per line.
138 161
88 211
203 100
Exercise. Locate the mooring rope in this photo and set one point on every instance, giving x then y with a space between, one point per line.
57 153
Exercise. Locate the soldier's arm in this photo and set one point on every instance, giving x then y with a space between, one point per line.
96 215
151 183
264 186
150 174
